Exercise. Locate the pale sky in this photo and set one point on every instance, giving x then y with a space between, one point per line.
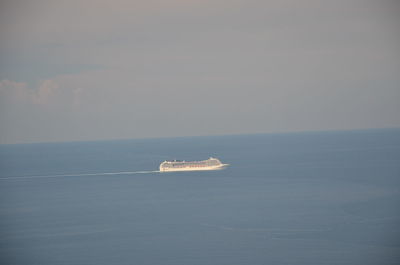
99 69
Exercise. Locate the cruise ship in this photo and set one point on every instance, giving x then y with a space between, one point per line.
181 165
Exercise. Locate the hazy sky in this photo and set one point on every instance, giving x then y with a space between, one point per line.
101 69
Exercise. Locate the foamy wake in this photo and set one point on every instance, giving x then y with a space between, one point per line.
82 175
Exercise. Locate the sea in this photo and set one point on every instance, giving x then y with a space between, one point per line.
285 198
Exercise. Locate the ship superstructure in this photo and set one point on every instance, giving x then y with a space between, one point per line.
181 165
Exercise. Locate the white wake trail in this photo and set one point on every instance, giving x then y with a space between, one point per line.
82 175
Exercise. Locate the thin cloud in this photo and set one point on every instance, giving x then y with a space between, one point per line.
44 93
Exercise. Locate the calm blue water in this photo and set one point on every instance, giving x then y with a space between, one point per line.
301 198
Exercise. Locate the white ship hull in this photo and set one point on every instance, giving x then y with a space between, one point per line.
178 165
194 168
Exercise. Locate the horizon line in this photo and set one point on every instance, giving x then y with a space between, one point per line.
200 136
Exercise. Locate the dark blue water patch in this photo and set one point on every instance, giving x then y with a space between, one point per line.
306 198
